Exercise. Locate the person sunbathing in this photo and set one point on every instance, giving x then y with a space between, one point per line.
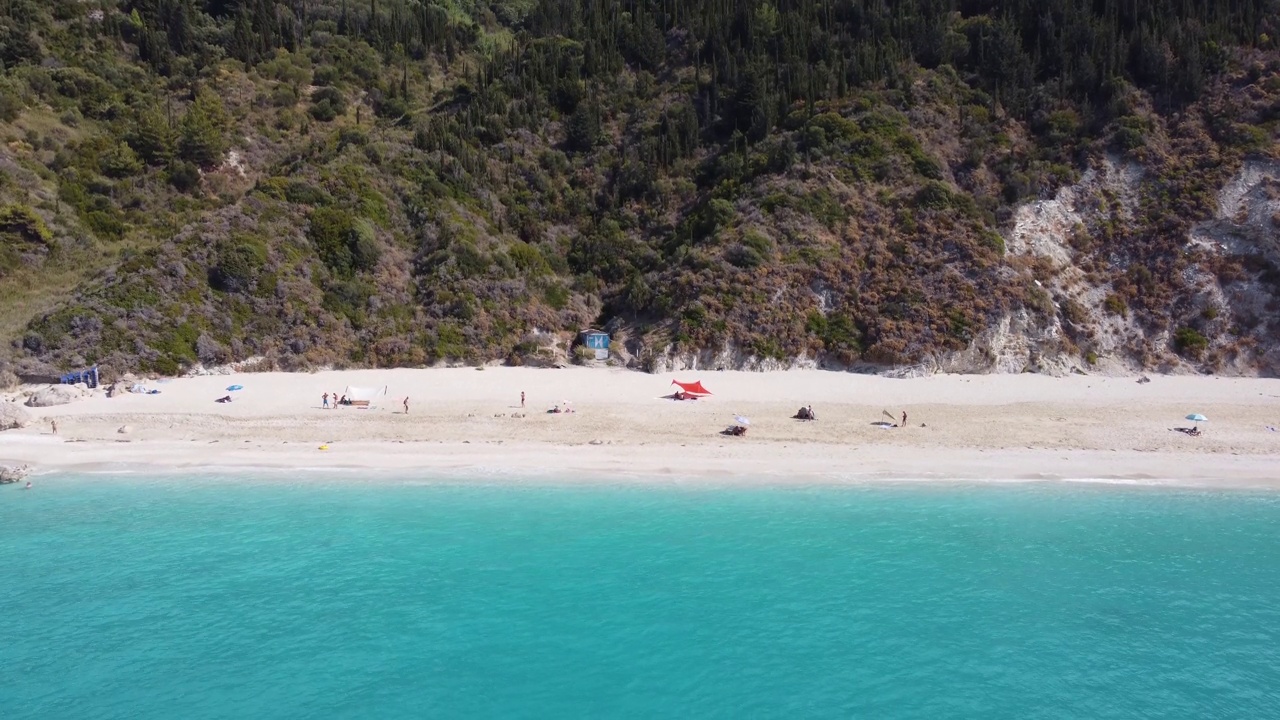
224 399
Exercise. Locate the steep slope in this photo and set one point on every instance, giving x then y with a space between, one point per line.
977 185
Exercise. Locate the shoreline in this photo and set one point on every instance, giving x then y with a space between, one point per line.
537 464
989 428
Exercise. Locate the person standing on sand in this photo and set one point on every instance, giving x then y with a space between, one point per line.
325 399
406 404
521 398
904 418
54 424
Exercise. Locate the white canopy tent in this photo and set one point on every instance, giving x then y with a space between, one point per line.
365 397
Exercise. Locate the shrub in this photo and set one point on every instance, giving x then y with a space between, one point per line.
831 126
327 103
528 259
105 223
22 223
325 75
184 176
350 299
557 296
582 132
345 244
365 251
1190 342
151 138
10 102
744 257
283 95
120 162
842 337
394 108
758 242
239 262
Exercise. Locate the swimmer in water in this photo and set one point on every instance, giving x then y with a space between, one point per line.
28 487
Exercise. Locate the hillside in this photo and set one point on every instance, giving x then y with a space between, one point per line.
921 185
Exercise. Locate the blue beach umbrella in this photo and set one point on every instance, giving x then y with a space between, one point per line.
233 388
1197 417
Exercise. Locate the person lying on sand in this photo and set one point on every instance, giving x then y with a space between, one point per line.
734 430
223 399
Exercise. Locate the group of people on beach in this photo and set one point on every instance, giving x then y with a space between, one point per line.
324 401
324 404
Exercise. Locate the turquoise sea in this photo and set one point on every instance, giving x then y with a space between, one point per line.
275 597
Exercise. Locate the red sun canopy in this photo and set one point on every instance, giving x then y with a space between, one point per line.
693 388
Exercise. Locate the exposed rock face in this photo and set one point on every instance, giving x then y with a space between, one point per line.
55 395
1073 328
13 417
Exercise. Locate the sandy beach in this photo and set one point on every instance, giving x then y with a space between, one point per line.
466 422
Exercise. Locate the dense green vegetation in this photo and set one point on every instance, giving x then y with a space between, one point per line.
405 181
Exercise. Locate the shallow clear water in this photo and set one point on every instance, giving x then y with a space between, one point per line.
128 597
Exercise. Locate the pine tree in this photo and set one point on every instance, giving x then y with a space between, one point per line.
204 129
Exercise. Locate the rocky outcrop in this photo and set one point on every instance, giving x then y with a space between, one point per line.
13 473
13 417
55 395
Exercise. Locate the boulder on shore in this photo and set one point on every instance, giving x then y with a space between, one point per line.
54 395
12 416
12 474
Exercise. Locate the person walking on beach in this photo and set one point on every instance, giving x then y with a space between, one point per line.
904 418
521 398
325 398
406 404
54 424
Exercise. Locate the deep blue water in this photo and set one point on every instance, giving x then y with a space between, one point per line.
204 597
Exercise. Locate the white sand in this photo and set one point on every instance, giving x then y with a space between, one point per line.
464 421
